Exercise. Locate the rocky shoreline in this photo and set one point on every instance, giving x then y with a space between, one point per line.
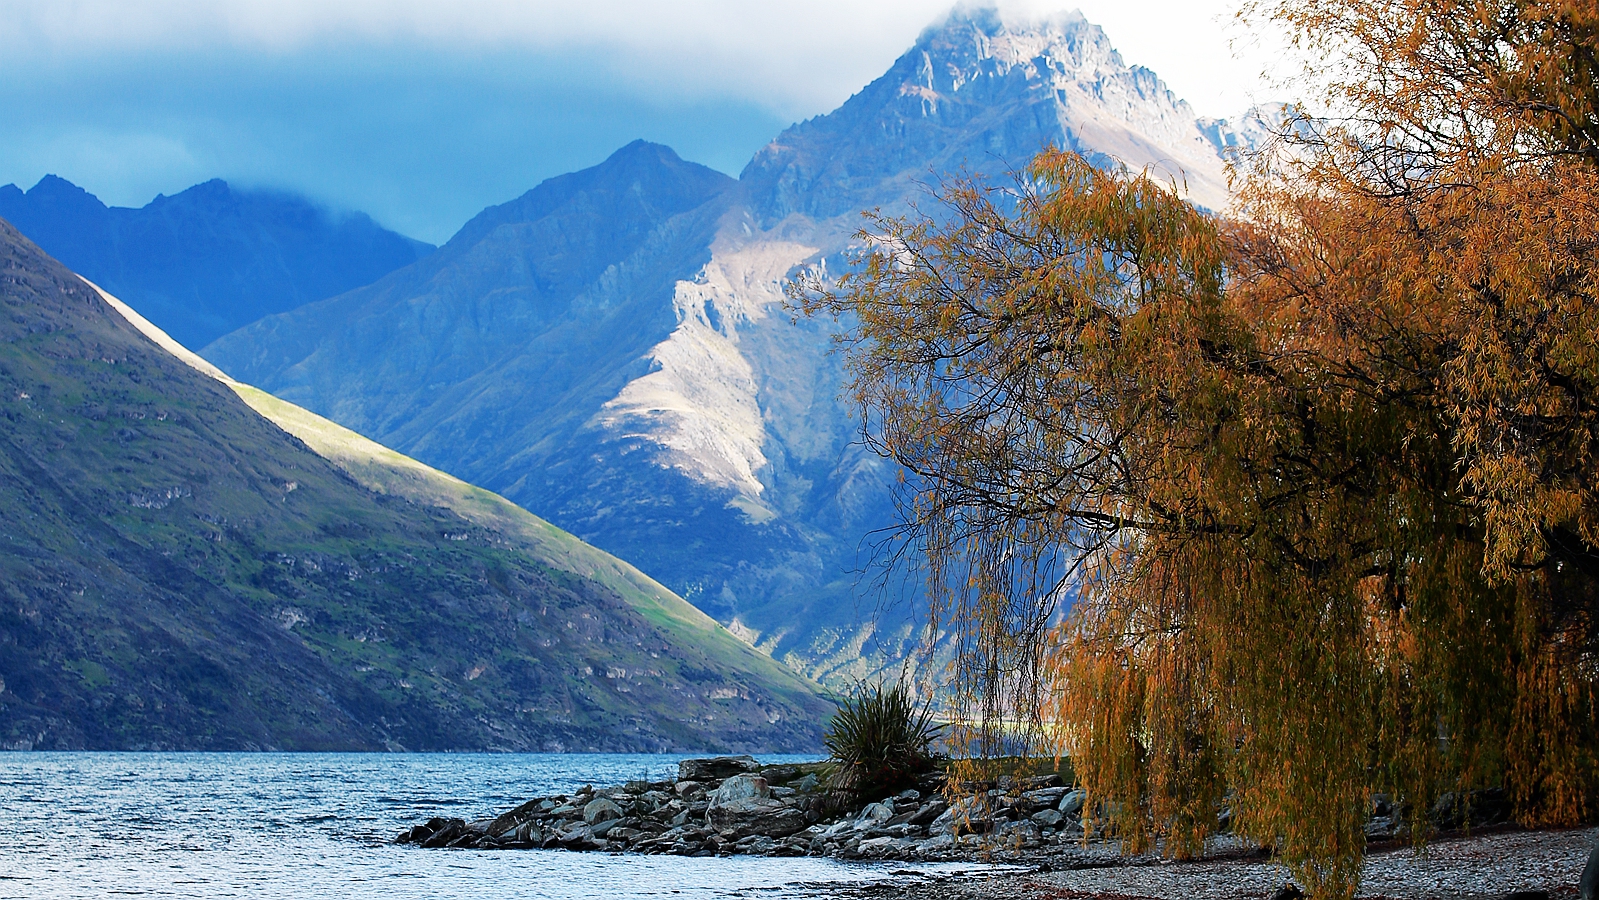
734 805
731 805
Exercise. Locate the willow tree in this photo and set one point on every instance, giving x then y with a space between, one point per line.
1287 507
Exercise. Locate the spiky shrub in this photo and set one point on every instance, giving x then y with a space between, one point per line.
881 741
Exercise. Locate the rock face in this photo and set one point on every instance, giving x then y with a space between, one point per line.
210 259
612 351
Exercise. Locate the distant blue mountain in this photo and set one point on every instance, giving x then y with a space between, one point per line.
612 351
210 259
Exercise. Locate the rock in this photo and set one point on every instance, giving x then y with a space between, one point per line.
1039 782
715 768
601 809
509 820
604 827
758 844
1384 827
969 815
576 837
1588 887
447 830
739 788
805 785
1288 891
1044 798
1018 835
780 774
873 815
1048 818
742 818
884 847
931 782
1072 802
928 812
941 843
837 829
1449 811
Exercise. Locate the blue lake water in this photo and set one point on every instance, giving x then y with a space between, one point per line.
312 825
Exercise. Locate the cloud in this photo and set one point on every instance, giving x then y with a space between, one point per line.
797 57
422 112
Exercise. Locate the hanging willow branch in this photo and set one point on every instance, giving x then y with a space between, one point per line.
1281 509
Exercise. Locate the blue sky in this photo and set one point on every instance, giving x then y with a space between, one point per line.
422 112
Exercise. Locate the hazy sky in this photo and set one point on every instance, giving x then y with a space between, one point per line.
421 112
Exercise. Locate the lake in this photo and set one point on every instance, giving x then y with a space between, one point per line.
292 825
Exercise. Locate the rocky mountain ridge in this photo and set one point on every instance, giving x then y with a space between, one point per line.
673 411
212 258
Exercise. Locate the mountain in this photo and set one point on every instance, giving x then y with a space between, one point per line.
210 259
181 571
672 411
982 93
509 317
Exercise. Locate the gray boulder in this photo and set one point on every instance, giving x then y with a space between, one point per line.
741 787
742 818
715 768
874 815
928 812
1044 798
600 829
601 809
578 836
1072 802
1048 818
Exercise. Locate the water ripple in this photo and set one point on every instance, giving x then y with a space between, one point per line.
313 825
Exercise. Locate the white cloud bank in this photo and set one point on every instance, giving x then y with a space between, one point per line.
800 58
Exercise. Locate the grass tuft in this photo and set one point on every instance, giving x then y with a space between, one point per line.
882 742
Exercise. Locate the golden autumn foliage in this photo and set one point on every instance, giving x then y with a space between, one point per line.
1287 507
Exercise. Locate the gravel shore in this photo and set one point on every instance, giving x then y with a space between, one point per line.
1476 866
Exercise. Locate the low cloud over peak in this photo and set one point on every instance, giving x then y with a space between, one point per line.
423 111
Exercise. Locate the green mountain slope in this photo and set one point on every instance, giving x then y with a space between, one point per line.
176 571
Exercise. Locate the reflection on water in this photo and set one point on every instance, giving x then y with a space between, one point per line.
314 825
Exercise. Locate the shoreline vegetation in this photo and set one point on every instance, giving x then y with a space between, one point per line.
1031 823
